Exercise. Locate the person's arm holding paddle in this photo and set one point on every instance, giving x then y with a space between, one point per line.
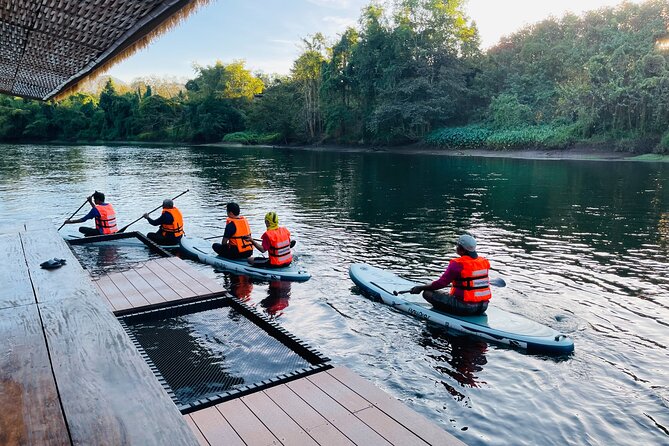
452 272
262 247
91 214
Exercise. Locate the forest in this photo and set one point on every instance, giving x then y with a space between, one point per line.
411 73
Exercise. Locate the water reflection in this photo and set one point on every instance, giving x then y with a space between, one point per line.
278 295
239 286
581 245
460 357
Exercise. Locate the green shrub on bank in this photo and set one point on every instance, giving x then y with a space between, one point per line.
470 137
480 137
252 138
663 146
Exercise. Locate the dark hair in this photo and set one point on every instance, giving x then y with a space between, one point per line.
99 196
232 207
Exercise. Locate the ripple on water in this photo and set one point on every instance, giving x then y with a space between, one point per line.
572 258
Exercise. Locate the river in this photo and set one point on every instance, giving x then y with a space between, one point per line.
582 245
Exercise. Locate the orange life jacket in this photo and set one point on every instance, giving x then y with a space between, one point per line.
176 228
474 281
106 222
242 229
279 246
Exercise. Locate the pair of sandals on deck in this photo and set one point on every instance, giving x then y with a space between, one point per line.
53 263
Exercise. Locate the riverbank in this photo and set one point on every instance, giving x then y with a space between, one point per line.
579 153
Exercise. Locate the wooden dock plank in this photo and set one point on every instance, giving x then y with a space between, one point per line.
207 282
282 426
31 412
161 287
339 392
420 426
108 393
143 287
166 276
53 285
357 431
388 428
215 428
249 428
183 277
112 294
307 417
131 293
11 228
16 287
200 438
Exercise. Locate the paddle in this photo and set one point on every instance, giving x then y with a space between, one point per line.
75 213
292 242
499 282
127 226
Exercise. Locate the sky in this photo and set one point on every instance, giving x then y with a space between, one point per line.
267 33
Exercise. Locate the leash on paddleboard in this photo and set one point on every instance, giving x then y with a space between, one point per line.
154 210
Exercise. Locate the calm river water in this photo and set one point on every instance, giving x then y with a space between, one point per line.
582 245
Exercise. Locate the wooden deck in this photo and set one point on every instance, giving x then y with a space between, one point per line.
68 372
155 283
74 376
335 407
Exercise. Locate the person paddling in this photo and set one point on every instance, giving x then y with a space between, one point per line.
171 224
103 213
275 241
468 277
234 244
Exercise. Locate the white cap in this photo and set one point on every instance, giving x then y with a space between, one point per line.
467 242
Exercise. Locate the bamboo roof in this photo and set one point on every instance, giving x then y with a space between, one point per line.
47 47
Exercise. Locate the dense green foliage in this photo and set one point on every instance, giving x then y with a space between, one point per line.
412 71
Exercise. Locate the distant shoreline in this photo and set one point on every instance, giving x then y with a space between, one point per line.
578 153
583 153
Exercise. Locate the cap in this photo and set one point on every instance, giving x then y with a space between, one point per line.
467 242
167 203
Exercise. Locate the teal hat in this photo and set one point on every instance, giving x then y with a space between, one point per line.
467 242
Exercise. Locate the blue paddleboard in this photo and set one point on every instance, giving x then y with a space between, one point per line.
495 325
201 249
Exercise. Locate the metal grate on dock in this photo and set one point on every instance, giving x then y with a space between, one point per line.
214 350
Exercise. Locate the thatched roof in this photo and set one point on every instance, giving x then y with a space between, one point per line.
48 46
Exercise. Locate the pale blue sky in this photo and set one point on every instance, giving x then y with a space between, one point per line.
267 33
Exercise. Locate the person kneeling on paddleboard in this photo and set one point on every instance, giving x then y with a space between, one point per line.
103 213
276 241
468 277
171 224
234 244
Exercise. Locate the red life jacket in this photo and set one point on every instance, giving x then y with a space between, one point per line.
106 222
176 228
474 282
279 246
242 229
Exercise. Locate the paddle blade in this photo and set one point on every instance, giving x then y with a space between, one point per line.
499 282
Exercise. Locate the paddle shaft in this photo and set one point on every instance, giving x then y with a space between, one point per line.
154 210
499 282
292 242
75 213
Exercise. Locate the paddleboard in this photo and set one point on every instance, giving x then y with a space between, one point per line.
131 241
201 249
495 325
